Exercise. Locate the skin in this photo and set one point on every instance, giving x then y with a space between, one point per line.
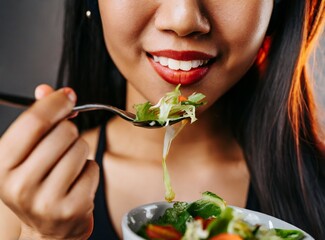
45 178
227 30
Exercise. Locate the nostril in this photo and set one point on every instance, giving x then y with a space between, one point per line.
184 19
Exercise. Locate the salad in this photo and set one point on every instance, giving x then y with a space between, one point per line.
173 106
176 107
210 218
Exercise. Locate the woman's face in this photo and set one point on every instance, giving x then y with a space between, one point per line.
206 45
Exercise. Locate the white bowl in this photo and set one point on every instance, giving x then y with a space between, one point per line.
133 220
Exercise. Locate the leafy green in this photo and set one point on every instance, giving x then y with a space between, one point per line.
177 216
220 224
173 106
181 213
210 205
188 219
242 228
143 112
289 234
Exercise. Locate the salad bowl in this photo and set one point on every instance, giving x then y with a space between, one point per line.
137 217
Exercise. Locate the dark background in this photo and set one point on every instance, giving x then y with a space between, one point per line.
30 48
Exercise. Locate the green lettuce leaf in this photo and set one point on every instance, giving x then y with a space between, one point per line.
173 106
177 216
210 205
289 234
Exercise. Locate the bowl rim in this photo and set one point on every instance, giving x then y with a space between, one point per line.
127 230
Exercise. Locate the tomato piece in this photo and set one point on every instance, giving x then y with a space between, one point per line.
205 222
226 236
162 232
182 98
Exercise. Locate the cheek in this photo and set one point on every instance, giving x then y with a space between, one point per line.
239 35
123 25
123 21
114 22
241 28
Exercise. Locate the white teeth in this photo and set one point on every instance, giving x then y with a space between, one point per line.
156 59
163 61
185 65
176 64
173 64
196 63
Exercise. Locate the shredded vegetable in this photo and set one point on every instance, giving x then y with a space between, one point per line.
209 218
173 106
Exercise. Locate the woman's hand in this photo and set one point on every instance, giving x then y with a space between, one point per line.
45 177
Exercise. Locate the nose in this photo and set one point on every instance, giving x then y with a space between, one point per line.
183 17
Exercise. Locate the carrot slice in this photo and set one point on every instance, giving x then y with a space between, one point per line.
226 236
182 98
162 232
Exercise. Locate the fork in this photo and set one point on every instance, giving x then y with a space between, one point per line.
24 102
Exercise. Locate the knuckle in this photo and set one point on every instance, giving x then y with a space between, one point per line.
88 207
19 194
40 123
44 207
77 209
69 212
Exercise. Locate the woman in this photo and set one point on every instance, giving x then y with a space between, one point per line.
257 142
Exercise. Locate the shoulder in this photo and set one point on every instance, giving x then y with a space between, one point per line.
9 223
91 137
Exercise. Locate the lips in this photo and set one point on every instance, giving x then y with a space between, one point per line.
185 67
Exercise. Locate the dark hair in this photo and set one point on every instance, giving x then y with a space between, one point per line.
277 127
86 66
271 112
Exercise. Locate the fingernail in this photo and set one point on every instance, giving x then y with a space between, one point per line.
39 93
70 94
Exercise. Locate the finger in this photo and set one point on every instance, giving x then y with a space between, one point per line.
19 140
82 193
42 91
48 153
67 170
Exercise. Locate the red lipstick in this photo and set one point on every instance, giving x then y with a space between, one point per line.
178 76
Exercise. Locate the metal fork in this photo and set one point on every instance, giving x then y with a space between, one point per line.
24 102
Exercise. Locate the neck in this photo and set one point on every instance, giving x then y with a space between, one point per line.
205 136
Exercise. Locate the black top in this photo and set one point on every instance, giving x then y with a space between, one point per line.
103 226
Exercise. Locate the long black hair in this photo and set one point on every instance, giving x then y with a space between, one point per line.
271 112
277 126
86 66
